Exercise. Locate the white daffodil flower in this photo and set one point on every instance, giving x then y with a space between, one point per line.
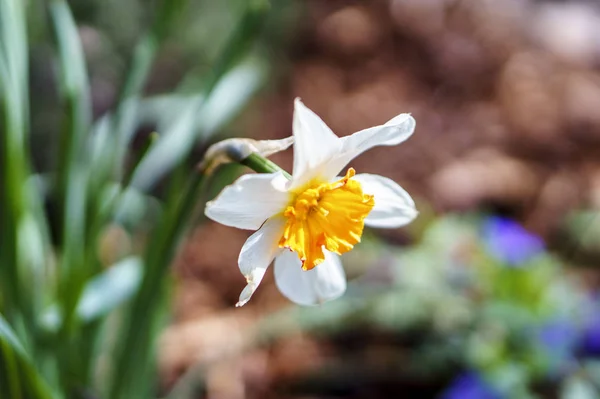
305 223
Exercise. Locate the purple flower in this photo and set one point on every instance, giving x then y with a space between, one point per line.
558 339
470 385
509 242
590 337
558 336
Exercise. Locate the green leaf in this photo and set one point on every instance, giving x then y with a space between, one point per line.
102 294
133 361
169 149
110 289
72 60
182 120
19 378
16 195
75 92
72 174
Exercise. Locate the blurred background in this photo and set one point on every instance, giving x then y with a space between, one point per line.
492 292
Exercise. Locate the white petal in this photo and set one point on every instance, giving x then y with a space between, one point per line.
393 205
327 281
257 254
249 201
314 144
393 132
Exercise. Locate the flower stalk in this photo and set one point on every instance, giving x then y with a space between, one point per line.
260 164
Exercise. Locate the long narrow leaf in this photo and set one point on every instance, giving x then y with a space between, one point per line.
102 294
77 257
185 120
18 369
18 211
75 91
72 174
134 358
133 362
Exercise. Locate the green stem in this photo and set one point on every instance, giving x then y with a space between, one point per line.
260 164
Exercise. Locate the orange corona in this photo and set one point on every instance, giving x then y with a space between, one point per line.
325 215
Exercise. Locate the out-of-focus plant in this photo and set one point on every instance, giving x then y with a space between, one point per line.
470 385
477 302
71 326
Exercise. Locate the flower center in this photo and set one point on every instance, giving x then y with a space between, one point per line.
330 215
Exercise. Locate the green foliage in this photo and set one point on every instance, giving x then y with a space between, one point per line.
63 308
18 375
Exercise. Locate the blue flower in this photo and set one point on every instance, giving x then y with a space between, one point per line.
509 242
590 336
558 339
557 335
470 385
